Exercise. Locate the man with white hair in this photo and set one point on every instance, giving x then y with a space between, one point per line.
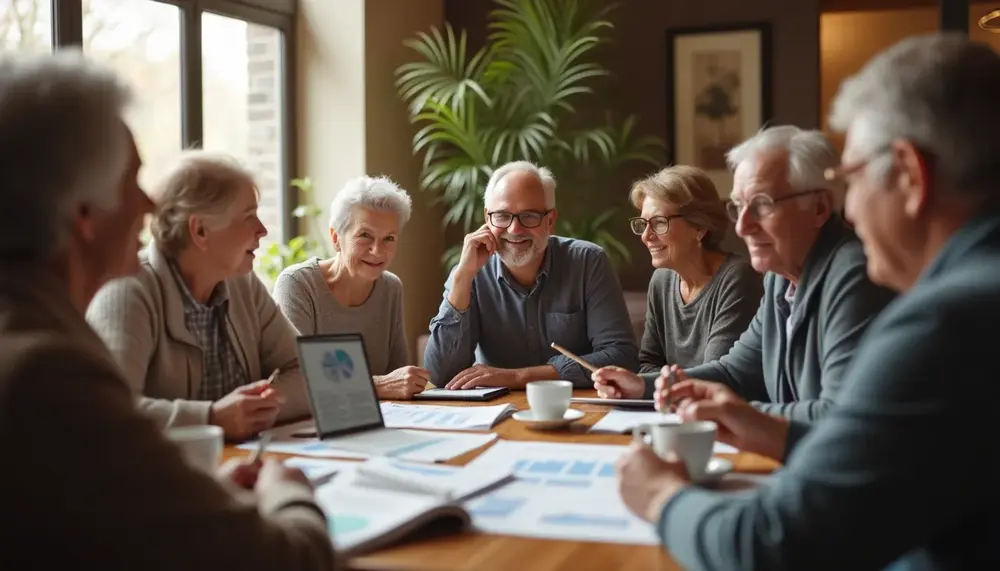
113 493
897 476
518 288
818 300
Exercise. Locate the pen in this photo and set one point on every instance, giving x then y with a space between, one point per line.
258 452
581 362
272 378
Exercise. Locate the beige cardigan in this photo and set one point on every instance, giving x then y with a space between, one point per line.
141 320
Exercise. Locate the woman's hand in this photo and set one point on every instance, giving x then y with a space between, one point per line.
402 383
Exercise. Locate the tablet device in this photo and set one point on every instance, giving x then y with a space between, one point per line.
622 403
479 394
339 383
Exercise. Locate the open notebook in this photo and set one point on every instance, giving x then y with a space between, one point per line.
382 501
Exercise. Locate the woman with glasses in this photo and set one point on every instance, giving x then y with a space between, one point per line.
353 292
701 298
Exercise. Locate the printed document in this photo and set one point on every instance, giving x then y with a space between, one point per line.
561 491
435 417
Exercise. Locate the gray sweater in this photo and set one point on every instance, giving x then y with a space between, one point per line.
303 296
705 328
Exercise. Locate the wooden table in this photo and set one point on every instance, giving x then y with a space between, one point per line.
484 552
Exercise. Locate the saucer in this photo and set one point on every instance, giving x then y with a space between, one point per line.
715 470
525 416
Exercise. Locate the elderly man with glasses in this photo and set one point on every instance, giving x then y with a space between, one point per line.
818 300
518 288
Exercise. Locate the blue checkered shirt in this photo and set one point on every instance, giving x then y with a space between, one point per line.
222 371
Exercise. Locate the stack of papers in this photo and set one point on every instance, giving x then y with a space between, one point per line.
418 445
434 417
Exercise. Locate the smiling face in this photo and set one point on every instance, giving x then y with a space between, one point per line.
780 240
368 245
517 193
230 239
681 241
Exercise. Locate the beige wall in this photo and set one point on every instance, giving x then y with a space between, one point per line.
350 123
849 39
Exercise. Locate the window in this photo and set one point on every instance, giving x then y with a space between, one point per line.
141 41
26 25
206 73
242 75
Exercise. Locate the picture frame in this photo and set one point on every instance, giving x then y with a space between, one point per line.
718 93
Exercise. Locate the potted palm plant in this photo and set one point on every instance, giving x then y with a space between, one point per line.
516 98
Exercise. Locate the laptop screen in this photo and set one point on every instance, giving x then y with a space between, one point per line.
341 389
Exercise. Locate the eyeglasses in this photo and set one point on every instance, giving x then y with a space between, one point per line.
840 174
761 205
529 219
659 224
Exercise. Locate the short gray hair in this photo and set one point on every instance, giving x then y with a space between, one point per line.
63 144
941 93
810 154
543 174
199 182
370 193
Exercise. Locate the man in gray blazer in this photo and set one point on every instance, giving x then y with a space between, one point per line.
898 475
817 301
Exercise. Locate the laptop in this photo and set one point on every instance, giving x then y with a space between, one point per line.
343 399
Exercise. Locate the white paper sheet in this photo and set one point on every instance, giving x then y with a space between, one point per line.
319 469
417 445
562 491
623 421
435 417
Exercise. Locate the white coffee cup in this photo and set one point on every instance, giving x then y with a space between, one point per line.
549 400
692 442
201 446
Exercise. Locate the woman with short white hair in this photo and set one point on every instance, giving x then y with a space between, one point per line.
353 292
196 332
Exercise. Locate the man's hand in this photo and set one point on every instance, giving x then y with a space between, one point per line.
247 410
618 383
240 472
402 383
646 482
273 473
484 376
476 249
739 424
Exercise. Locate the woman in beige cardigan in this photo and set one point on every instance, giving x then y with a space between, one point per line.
196 332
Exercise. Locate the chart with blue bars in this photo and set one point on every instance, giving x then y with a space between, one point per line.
564 473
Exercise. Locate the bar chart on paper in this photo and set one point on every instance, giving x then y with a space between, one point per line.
561 491
435 417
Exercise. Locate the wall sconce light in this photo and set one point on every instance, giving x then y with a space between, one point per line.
991 22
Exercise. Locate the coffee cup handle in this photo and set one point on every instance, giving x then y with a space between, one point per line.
639 433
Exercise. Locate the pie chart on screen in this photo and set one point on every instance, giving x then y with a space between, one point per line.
338 365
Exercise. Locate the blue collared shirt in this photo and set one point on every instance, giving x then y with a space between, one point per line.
576 301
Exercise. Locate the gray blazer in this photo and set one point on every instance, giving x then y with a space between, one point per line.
899 471
798 375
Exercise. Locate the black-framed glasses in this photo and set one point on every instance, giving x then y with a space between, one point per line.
659 224
762 205
527 219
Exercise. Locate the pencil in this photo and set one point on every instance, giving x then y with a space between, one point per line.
259 451
272 378
582 363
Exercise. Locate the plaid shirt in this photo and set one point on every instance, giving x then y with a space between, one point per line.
222 370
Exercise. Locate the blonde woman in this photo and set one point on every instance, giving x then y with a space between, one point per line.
701 299
353 292
196 333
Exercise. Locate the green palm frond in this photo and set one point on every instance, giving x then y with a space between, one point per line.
444 76
513 99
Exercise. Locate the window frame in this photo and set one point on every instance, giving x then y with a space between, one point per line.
67 31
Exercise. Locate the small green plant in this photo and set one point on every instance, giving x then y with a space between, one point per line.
310 243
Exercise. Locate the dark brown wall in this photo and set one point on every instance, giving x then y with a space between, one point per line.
638 61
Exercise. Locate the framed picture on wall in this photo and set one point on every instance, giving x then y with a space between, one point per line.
718 92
